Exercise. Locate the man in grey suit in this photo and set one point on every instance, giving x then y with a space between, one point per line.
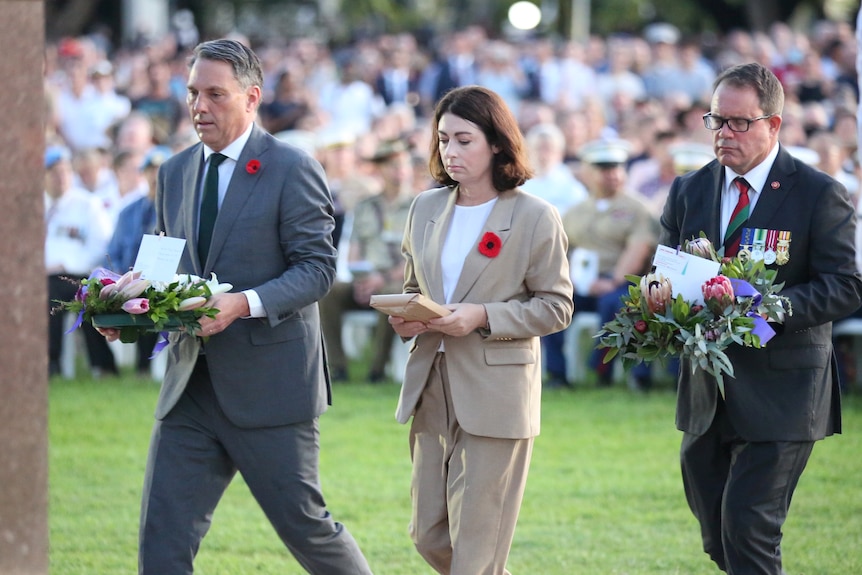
742 454
244 393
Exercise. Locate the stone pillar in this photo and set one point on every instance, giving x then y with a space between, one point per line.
23 294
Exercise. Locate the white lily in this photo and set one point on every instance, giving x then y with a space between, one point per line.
184 280
215 287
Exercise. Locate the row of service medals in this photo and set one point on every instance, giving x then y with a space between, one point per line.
771 246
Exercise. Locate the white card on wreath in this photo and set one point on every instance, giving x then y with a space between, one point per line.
159 257
687 273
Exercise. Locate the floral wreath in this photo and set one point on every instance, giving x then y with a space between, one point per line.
740 303
135 305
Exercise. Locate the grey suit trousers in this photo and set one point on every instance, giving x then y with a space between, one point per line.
195 453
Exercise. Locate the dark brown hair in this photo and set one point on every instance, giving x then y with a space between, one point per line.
490 114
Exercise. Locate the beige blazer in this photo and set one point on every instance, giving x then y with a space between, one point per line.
496 375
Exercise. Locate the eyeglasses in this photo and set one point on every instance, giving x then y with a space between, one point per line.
735 124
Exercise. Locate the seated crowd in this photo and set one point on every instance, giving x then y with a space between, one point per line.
609 124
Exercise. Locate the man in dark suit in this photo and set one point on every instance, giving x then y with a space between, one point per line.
397 83
742 454
245 391
456 66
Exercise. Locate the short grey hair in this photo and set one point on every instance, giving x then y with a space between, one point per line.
770 92
246 65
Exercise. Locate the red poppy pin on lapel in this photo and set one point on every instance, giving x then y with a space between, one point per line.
252 166
490 245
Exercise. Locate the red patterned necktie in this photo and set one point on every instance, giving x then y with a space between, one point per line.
740 215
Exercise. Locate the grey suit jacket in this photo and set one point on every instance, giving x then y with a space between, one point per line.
273 235
496 376
787 391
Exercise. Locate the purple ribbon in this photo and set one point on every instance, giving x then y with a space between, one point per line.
78 321
161 343
761 329
81 296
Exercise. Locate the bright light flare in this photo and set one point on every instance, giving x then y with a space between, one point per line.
524 15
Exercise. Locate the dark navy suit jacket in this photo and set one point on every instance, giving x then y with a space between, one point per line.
787 391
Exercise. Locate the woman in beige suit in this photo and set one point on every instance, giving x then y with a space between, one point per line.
496 257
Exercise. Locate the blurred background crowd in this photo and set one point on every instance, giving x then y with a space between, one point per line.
610 120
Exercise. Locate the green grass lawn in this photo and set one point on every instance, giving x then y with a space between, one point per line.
604 495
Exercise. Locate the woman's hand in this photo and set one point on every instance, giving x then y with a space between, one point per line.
407 329
465 318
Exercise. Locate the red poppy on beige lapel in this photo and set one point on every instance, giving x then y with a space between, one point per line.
490 244
252 166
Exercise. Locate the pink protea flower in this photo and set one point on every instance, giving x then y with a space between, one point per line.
137 305
656 291
717 293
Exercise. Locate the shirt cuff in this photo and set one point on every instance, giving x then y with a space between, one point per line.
255 306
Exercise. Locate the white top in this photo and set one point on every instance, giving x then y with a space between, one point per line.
462 237
77 232
84 120
558 187
351 107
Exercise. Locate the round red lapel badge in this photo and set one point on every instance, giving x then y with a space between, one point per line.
775 185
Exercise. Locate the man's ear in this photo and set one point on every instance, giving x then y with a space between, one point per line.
253 95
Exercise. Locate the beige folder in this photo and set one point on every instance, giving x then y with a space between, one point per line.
410 306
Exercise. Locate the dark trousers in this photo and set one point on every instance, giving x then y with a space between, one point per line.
332 307
740 492
194 454
144 349
98 352
555 356
607 305
846 356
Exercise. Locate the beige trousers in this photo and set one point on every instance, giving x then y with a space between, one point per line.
466 489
